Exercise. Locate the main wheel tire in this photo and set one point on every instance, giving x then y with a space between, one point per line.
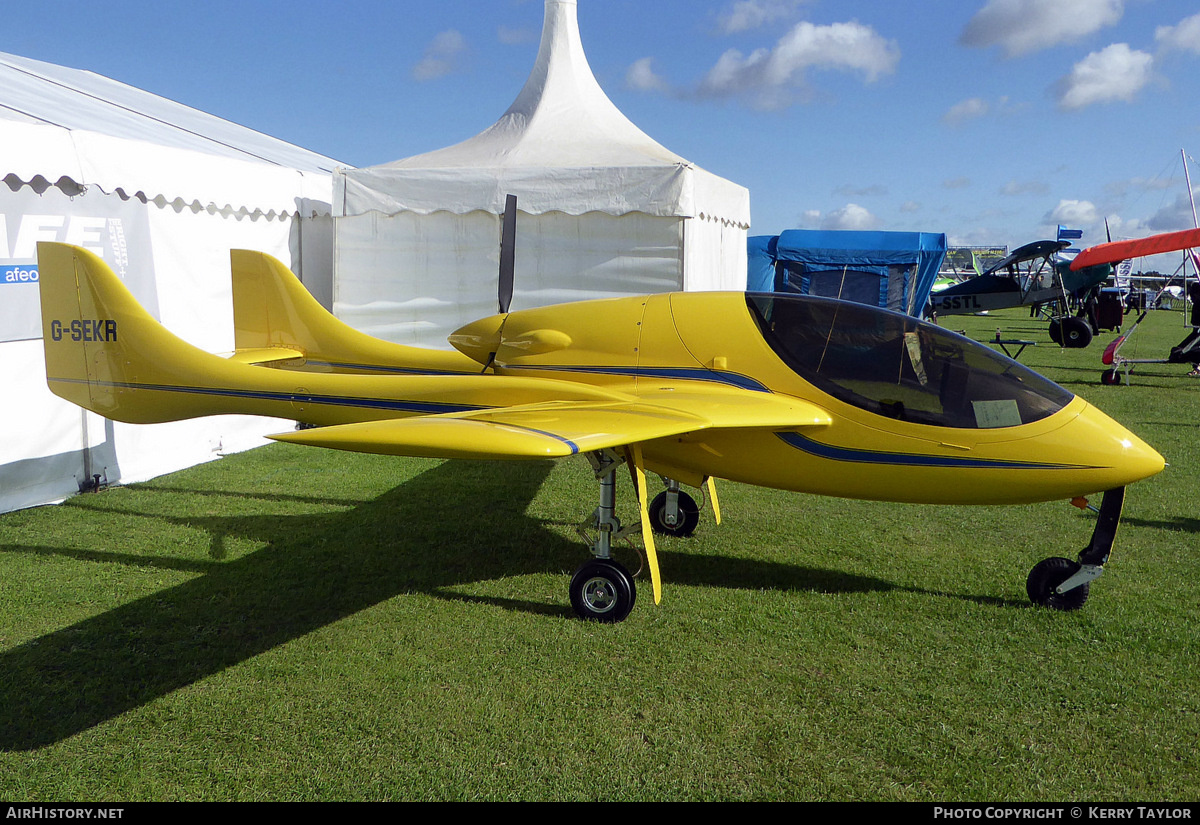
1073 333
1049 574
689 515
602 591
1110 378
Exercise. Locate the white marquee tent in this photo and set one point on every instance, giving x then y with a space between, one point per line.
162 192
604 210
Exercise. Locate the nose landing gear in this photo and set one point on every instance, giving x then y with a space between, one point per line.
1062 584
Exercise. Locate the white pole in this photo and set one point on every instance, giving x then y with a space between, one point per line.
1188 178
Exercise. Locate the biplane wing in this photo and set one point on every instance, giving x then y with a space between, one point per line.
1107 253
1029 252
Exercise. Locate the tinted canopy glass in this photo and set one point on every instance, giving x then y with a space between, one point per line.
896 366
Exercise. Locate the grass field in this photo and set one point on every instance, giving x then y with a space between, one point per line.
294 624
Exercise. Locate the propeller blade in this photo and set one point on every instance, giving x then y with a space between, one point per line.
508 253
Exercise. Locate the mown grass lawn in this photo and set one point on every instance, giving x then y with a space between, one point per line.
294 624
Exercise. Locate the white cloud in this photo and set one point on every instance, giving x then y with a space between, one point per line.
1073 213
976 107
872 190
1025 187
441 56
642 77
968 109
516 37
1121 228
771 76
956 183
1183 37
1116 72
1174 216
909 207
1024 26
1121 188
851 216
810 217
753 14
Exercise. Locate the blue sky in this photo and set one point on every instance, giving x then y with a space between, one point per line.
989 120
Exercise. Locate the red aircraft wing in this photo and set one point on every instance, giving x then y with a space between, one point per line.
1107 253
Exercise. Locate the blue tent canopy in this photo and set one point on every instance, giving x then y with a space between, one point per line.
895 270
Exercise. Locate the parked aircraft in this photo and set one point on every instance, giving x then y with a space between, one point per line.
784 391
1031 275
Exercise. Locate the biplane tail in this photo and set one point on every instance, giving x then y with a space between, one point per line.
274 313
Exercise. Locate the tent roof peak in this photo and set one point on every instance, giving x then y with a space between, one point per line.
561 117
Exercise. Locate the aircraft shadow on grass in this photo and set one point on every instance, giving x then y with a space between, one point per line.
418 537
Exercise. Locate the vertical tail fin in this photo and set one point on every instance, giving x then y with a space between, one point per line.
272 309
104 351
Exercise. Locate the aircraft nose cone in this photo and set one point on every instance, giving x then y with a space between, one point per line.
1117 453
1141 460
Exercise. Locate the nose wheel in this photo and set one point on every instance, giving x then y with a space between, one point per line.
1062 584
673 512
1045 579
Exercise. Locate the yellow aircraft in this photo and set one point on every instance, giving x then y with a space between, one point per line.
784 391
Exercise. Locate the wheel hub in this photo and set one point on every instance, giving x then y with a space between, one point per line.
599 594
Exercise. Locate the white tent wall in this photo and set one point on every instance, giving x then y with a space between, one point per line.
414 279
51 447
162 192
714 255
409 278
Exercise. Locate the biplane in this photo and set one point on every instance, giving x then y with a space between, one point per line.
783 391
1034 275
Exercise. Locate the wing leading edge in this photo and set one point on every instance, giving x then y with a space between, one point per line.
1107 253
557 429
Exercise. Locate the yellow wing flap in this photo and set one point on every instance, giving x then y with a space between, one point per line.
535 431
737 408
263 356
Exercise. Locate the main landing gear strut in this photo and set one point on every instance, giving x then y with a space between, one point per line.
1063 584
602 589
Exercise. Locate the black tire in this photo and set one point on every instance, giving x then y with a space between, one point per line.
602 591
689 515
1110 378
1049 574
1073 333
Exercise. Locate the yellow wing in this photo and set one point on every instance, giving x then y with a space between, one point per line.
561 429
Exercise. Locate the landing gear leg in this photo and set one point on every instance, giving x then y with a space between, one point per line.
602 589
1063 584
674 512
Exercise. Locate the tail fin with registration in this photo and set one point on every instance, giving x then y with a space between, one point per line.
100 343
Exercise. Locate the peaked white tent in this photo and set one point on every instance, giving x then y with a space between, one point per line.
162 192
604 210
